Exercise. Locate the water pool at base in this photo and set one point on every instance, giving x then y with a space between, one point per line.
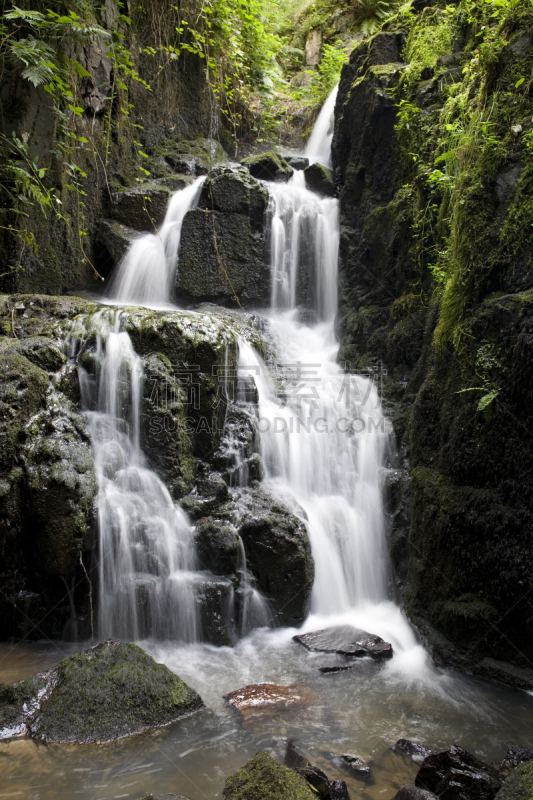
362 712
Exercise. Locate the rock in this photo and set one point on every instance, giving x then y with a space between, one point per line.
278 554
519 784
191 156
143 207
268 167
313 775
414 793
115 239
516 755
106 693
164 797
297 162
417 752
338 790
237 457
346 640
235 192
218 547
221 260
319 179
215 599
357 766
262 778
455 774
165 433
269 697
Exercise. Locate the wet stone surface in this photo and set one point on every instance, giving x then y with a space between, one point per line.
347 641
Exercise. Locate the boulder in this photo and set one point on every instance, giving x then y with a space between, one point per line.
221 260
269 697
297 162
519 784
278 554
327 789
142 207
215 598
235 192
417 752
262 778
516 755
319 179
345 640
268 167
218 547
106 693
455 774
414 793
237 457
358 767
115 239
190 156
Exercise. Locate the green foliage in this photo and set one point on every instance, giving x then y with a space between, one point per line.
429 38
374 13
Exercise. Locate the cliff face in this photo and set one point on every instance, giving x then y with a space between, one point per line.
109 144
432 154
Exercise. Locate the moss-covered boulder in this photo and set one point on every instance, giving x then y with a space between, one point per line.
217 546
235 191
278 553
106 693
262 778
319 178
519 784
268 167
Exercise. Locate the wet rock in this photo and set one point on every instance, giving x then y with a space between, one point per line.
516 755
191 156
278 554
215 599
108 692
346 640
165 434
455 774
237 458
142 207
221 260
297 162
262 778
313 775
217 546
519 784
338 790
414 793
115 239
357 766
268 167
165 797
417 752
235 192
269 697
319 179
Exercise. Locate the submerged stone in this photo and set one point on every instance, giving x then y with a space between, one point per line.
414 793
417 752
262 778
346 640
108 692
269 696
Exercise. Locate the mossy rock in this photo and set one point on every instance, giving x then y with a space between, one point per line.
319 179
268 167
262 778
109 692
519 784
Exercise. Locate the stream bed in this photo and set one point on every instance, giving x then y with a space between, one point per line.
362 711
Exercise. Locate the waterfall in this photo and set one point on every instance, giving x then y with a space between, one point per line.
147 565
146 274
319 144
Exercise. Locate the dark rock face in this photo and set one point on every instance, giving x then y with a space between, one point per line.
262 778
114 239
143 207
278 553
268 167
319 179
516 755
456 773
106 693
221 259
461 520
297 162
347 641
218 547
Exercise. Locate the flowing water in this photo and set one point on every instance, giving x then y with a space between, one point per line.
324 444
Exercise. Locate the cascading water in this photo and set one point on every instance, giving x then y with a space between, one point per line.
319 144
145 276
147 564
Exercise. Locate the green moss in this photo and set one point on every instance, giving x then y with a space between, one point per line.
519 784
262 778
429 38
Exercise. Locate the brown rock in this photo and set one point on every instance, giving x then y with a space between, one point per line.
269 697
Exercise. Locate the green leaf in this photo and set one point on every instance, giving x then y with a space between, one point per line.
519 83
